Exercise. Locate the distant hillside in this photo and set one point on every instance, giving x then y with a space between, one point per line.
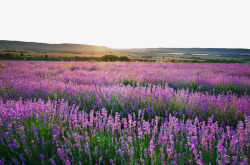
209 51
19 45
34 46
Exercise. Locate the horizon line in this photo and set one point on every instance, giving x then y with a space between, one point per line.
195 47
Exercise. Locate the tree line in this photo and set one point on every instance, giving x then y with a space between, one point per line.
22 56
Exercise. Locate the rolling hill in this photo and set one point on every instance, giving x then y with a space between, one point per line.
34 46
19 45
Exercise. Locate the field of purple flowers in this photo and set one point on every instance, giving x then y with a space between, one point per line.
124 113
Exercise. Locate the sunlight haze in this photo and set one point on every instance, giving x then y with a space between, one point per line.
128 24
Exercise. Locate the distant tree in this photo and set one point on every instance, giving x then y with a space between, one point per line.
7 55
124 58
110 58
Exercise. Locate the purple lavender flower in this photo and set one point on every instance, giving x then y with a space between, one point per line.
96 148
100 159
42 156
51 160
15 161
234 160
60 153
21 157
15 144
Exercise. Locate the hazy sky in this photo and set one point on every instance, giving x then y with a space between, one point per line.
128 23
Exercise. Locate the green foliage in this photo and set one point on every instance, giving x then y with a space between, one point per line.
110 58
22 56
124 58
132 82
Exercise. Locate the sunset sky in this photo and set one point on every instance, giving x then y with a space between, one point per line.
128 23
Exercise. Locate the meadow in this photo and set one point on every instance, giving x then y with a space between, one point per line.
124 113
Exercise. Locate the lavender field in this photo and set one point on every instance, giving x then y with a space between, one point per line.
124 113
